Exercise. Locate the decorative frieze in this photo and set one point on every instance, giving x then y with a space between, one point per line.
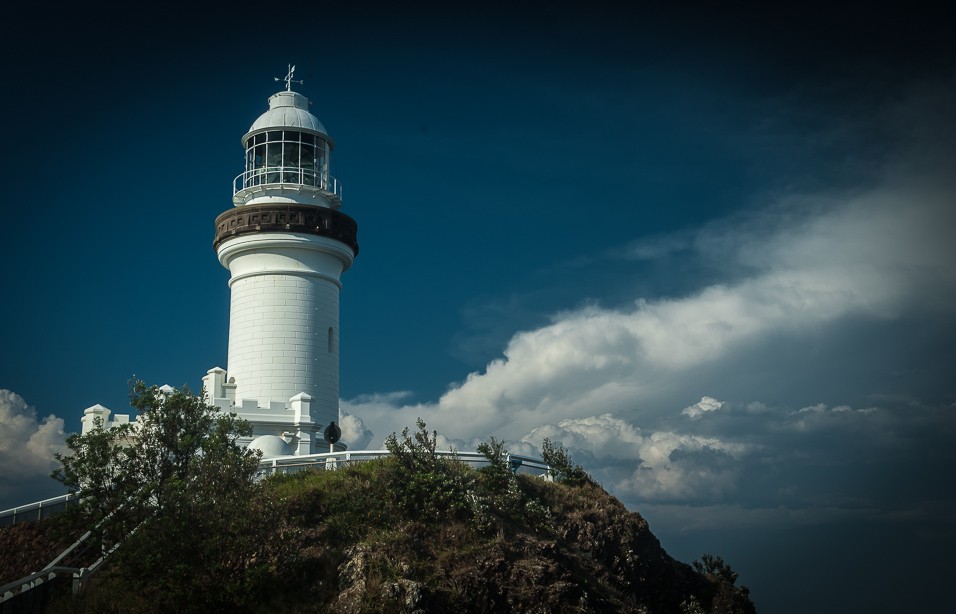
287 217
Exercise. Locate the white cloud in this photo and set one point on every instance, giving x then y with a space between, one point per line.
354 433
821 416
27 446
812 263
604 381
804 269
875 255
661 465
702 407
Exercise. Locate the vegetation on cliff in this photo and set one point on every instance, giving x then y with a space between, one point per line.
409 533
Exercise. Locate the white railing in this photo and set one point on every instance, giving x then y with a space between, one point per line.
50 572
281 464
288 175
331 460
35 511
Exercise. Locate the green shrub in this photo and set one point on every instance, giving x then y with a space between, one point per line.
422 484
562 468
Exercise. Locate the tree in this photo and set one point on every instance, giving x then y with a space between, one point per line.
425 484
496 474
96 469
177 492
564 470
727 598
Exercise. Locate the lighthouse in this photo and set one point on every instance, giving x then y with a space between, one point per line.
286 244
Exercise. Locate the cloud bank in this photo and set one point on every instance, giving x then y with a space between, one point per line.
667 399
27 446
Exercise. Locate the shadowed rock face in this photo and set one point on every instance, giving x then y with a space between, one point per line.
28 547
599 557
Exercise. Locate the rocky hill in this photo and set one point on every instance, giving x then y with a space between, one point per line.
405 534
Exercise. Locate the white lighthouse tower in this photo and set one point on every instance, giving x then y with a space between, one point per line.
286 244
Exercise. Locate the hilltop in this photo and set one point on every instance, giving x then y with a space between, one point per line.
410 533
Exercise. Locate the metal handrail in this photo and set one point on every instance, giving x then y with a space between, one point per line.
281 464
287 175
38 506
346 457
50 571
39 577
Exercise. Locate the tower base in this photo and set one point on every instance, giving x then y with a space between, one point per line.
278 429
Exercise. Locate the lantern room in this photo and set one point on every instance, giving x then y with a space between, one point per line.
287 157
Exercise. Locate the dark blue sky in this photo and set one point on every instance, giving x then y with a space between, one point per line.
705 247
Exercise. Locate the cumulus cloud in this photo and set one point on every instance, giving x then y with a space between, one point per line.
27 446
799 275
354 432
874 256
657 466
702 407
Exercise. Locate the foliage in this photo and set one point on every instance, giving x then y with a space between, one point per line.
714 567
413 531
96 469
426 485
177 492
564 470
691 605
502 494
416 452
726 598
496 474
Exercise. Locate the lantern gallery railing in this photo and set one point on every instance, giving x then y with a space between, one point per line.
290 175
330 460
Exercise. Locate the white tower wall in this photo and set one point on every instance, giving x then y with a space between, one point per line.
285 301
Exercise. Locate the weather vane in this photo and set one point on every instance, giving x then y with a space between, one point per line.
288 78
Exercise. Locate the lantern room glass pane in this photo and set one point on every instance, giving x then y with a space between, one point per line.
290 156
273 154
290 160
307 162
273 159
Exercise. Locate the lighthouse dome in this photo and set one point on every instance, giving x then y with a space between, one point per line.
287 110
271 446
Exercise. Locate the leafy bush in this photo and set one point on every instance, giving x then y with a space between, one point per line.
179 495
563 469
726 598
422 483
